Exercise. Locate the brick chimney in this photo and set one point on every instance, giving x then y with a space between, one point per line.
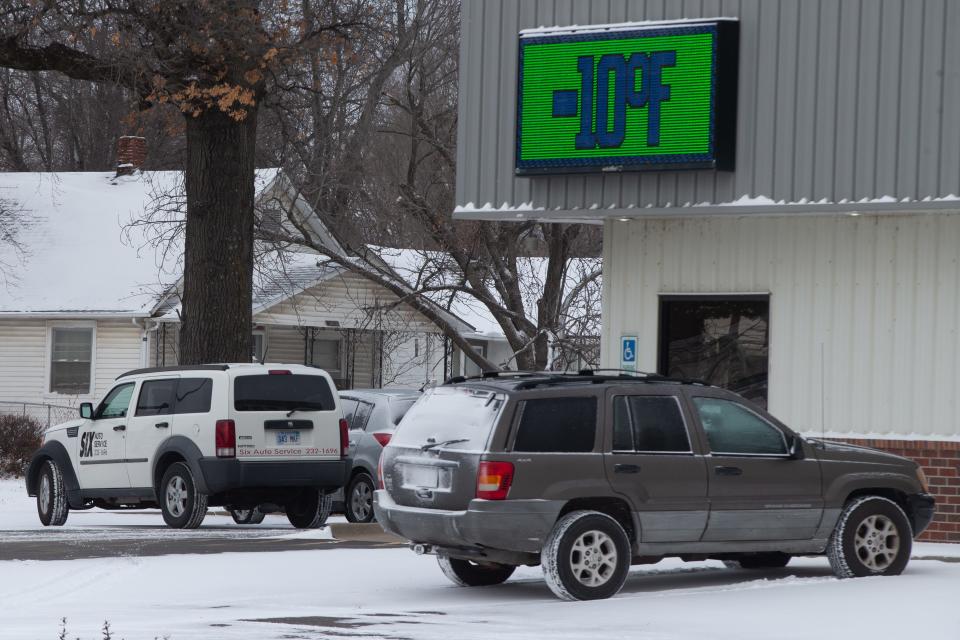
131 152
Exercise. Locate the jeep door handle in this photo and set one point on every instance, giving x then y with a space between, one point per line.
626 468
162 425
728 471
120 427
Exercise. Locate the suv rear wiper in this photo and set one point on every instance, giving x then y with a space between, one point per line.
431 445
295 409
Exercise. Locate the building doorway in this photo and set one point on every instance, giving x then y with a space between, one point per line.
720 339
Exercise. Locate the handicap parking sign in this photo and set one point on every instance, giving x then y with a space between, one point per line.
628 352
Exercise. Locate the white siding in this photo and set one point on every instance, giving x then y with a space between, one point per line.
881 294
349 300
25 351
413 360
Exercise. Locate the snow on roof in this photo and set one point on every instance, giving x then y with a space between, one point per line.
80 254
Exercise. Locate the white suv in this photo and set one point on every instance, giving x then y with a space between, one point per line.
250 437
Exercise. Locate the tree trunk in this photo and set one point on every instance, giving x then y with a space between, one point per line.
218 253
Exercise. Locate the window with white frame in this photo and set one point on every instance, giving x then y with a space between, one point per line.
71 360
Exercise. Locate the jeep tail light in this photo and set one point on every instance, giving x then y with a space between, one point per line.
383 438
226 439
494 480
344 437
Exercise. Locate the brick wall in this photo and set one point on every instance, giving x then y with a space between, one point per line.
941 463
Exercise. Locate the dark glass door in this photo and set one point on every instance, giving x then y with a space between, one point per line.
720 339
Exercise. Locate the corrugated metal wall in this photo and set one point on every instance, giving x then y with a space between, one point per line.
880 293
838 99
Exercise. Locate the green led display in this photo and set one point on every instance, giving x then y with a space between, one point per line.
656 97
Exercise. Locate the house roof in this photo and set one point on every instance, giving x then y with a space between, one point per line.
81 255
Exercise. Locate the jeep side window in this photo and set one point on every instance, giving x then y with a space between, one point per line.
732 428
649 424
156 397
116 403
562 425
193 395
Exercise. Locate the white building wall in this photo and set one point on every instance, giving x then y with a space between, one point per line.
879 296
25 354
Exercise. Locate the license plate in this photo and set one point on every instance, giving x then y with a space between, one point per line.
416 476
288 437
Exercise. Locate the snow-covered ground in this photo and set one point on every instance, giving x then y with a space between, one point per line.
393 594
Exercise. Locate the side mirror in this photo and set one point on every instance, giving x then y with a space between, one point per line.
86 410
796 448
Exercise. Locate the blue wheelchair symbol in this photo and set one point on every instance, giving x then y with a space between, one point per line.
628 350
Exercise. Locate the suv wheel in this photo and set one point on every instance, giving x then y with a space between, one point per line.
586 556
247 516
465 573
872 538
771 560
52 504
359 499
311 510
183 507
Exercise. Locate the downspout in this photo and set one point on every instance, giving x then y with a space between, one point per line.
144 339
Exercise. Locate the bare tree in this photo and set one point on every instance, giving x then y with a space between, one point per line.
12 223
374 156
215 61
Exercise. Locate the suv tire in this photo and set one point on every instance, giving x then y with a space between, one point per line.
358 501
311 511
466 573
586 556
52 504
182 505
767 560
247 516
872 538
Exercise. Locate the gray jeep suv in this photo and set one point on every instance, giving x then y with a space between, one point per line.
587 474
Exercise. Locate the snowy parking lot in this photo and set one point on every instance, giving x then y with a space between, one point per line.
391 593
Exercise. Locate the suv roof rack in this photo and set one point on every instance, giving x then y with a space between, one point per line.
532 379
196 367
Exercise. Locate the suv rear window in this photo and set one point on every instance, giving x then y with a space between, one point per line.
174 395
282 393
563 425
444 414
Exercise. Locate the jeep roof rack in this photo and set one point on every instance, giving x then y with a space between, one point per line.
532 379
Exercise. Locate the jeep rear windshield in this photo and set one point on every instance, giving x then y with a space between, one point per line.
445 414
282 393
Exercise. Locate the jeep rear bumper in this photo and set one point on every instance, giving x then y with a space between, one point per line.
508 525
922 509
222 475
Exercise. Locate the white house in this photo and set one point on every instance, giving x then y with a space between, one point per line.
94 293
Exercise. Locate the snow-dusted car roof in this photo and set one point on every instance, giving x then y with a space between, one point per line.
80 256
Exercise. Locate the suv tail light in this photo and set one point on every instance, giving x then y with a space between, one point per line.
383 438
226 439
380 472
344 437
494 480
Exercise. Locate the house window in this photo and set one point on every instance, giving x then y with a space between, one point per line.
721 339
71 360
326 355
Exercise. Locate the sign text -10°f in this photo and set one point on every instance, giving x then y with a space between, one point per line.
627 97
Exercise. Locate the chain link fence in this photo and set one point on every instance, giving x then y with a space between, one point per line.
46 414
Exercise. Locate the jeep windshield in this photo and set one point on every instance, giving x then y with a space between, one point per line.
455 417
282 393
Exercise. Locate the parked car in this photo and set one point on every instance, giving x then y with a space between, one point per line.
587 474
372 416
186 438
